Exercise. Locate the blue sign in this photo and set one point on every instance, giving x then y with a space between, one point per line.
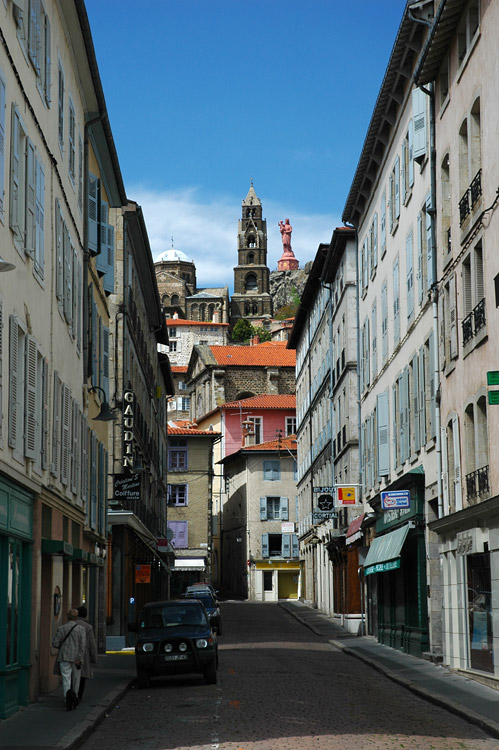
400 499
132 600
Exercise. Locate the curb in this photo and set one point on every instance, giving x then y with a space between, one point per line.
76 736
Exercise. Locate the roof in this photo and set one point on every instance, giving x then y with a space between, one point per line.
179 369
174 322
269 354
172 255
252 199
191 431
443 29
284 401
285 443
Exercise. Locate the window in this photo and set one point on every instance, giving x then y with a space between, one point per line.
394 195
257 428
180 536
177 494
271 471
468 30
33 31
174 346
177 454
2 145
443 80
72 142
470 163
60 99
409 266
185 403
446 202
290 425
396 302
172 332
251 284
474 319
279 545
274 509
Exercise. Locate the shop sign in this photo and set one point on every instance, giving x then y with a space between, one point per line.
143 573
318 516
287 527
399 499
128 424
346 496
127 488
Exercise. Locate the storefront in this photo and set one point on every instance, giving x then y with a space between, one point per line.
270 581
395 573
16 537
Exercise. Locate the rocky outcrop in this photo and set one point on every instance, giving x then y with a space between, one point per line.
284 285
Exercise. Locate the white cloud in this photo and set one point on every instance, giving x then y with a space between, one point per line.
205 228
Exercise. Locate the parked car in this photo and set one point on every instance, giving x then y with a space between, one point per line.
211 606
195 587
175 637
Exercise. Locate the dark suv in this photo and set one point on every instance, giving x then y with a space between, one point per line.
174 637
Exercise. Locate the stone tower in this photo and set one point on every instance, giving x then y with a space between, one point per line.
251 298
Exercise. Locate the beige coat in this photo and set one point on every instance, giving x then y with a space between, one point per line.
90 649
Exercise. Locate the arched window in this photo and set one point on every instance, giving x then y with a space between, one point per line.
194 312
211 312
251 284
251 258
175 299
165 300
202 312
251 241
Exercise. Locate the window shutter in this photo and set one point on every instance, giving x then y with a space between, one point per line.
286 545
30 410
14 381
1 367
429 247
415 395
59 252
108 280
375 241
403 176
94 344
40 218
100 490
265 545
45 414
422 398
263 509
410 142
295 547
383 223
390 200
458 496
374 340
445 469
397 187
453 317
284 511
410 275
15 174
383 430
419 103
56 426
66 435
93 480
419 272
395 431
48 61
75 449
93 213
370 452
396 302
101 260
30 200
404 412
384 321
68 274
79 301
105 361
84 462
2 146
433 402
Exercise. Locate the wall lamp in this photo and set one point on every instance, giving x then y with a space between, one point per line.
106 414
5 265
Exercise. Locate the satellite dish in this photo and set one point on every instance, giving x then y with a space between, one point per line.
169 534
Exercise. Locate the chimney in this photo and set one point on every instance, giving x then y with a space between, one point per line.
248 434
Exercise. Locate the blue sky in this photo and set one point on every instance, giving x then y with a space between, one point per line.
204 95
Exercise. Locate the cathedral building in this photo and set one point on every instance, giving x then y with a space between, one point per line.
251 298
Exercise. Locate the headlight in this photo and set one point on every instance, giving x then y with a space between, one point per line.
212 614
148 647
168 647
202 643
182 646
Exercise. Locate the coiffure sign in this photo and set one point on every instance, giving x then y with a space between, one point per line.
128 425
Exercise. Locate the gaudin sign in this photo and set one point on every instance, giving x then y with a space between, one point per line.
128 424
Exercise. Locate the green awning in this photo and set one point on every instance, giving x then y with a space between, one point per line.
57 547
384 552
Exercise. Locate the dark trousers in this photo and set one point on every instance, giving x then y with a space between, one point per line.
81 689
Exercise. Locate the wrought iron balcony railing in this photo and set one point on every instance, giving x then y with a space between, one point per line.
477 484
474 321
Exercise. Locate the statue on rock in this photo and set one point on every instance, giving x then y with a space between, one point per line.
287 262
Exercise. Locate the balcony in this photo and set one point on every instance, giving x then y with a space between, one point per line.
470 198
474 322
477 485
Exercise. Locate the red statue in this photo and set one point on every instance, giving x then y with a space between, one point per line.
286 230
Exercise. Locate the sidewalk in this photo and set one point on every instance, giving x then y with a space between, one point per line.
46 725
454 692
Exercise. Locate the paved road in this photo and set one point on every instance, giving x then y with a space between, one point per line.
281 688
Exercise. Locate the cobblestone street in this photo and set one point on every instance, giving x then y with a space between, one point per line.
281 687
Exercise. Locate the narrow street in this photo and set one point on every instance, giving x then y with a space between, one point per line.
280 687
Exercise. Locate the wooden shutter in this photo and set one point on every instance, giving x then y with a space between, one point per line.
395 428
40 217
429 246
101 260
45 414
433 402
15 175
48 60
397 187
105 361
59 224
68 275
100 491
383 223
422 397
384 321
56 426
410 145
419 272
84 462
419 105
445 469
93 214
458 495
453 317
265 545
295 547
374 248
286 545
404 415
410 274
1 367
404 182
14 411
415 402
284 509
75 449
108 280
396 302
263 509
383 434
30 409
66 435
374 340
2 146
93 480
30 199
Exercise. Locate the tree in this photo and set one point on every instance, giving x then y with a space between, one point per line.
242 331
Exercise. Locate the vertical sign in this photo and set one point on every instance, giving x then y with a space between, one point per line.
128 422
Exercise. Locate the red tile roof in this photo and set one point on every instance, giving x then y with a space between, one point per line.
283 401
269 354
173 322
179 369
192 431
285 443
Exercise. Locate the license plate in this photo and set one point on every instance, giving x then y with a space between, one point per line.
175 657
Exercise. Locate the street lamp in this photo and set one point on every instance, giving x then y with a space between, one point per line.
106 414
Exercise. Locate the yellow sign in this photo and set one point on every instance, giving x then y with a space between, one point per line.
346 496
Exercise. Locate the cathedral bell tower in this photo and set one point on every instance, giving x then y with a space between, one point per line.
251 298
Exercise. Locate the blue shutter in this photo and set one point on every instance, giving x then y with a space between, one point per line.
396 302
384 322
433 402
263 509
415 410
419 105
105 361
45 414
284 511
295 547
31 399
2 146
397 187
410 143
383 435
429 247
101 260
286 545
93 214
420 258
265 545
422 397
40 218
374 340
108 280
102 479
409 275
14 410
30 232
383 223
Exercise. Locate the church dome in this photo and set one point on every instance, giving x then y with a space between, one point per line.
173 256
